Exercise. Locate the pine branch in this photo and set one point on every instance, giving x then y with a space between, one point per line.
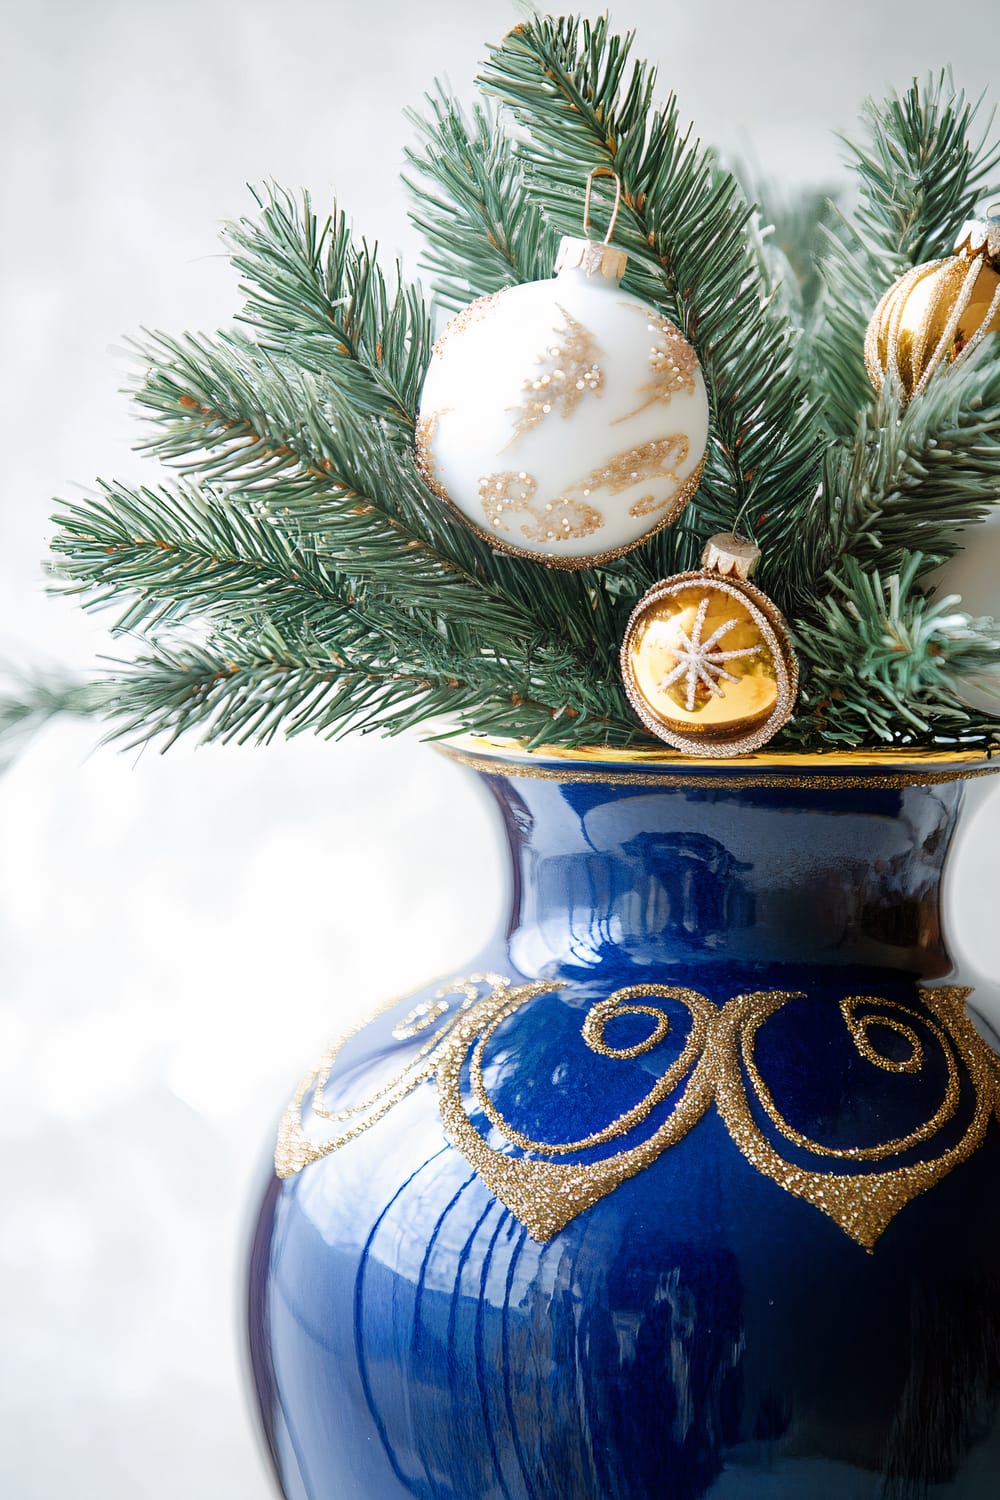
794 225
178 551
233 413
228 411
30 700
883 665
236 689
482 230
305 577
914 477
181 555
315 297
921 172
684 224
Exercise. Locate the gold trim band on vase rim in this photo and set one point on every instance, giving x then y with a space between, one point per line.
831 770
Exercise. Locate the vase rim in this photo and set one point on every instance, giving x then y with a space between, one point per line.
819 770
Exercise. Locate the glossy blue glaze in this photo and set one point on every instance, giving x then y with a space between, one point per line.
700 1331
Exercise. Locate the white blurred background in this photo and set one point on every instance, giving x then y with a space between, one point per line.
179 935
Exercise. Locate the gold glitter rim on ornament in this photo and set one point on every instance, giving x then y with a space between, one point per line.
423 436
877 769
569 564
717 1065
473 313
768 620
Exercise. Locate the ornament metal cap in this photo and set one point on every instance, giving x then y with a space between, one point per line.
594 257
981 236
730 556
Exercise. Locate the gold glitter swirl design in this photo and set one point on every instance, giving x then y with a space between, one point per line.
593 1034
545 1196
859 1029
863 1204
717 1064
673 364
511 492
671 505
647 463
568 370
420 1018
295 1150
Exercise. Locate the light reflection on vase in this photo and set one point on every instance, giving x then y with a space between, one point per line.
711 1325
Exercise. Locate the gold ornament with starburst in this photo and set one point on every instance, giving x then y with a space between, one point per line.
706 658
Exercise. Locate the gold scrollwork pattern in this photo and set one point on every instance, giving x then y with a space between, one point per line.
507 492
717 1064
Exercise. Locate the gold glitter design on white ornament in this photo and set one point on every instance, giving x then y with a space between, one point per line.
511 493
701 663
673 364
652 462
568 370
423 438
476 312
717 1063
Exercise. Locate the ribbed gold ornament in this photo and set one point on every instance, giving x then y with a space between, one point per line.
706 658
937 311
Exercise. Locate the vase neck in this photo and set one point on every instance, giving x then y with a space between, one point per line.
735 875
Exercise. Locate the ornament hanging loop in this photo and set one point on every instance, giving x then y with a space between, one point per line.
602 172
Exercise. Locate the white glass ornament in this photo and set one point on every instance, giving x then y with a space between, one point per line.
565 420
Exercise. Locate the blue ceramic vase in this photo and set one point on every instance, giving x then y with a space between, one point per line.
688 1187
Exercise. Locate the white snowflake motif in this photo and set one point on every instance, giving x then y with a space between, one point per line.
701 662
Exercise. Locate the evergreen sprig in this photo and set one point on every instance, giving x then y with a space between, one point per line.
315 297
483 231
583 103
300 574
253 685
914 477
30 700
883 664
924 164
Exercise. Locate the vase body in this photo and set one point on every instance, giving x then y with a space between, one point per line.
688 1187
